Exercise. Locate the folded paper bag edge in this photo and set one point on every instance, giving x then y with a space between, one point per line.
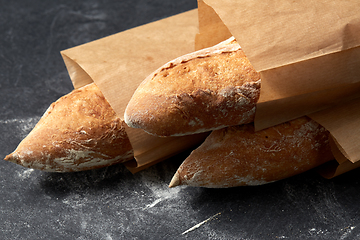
333 168
78 76
344 130
209 22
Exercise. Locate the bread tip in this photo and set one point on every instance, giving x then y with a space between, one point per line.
175 181
10 158
128 121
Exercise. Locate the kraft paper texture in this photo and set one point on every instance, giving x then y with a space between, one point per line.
308 55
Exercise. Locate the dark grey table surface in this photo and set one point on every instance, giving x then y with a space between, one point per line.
111 203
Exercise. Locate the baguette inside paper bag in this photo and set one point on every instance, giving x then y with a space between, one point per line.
120 62
308 55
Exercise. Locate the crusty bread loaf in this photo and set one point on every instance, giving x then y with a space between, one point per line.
80 131
238 156
198 92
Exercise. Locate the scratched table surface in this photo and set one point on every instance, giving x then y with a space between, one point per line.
111 203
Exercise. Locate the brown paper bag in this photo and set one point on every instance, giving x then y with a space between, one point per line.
308 54
120 62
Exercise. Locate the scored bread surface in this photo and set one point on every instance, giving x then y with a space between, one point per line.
198 92
239 156
80 131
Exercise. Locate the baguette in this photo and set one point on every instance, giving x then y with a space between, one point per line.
198 92
238 156
80 131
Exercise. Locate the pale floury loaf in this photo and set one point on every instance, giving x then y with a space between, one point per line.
239 156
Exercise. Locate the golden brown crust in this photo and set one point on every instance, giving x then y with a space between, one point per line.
238 156
201 91
80 131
